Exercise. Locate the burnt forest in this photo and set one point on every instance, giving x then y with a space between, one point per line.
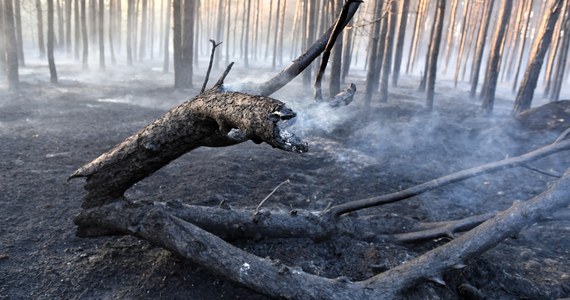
284 149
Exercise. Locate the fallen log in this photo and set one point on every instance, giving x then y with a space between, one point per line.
210 119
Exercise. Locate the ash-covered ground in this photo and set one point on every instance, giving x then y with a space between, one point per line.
47 132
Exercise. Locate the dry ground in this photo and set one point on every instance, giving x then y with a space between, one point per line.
46 132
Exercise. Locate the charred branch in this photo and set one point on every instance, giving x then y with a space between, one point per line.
169 226
214 46
557 146
478 240
210 119
341 22
280 80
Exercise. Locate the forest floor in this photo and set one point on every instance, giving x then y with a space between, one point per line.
47 132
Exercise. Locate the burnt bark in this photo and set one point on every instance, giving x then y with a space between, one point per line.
525 94
481 41
434 53
11 54
40 21
206 120
50 43
400 42
493 66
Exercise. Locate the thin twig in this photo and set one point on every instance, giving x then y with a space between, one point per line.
256 211
541 171
214 46
443 229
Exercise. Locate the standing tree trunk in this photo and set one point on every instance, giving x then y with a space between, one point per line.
336 65
434 52
144 26
40 20
419 23
464 31
310 21
93 22
228 25
525 94
373 54
50 43
68 49
219 30
521 50
77 22
101 34
177 42
400 42
562 57
247 35
481 41
166 63
494 64
450 33
276 33
188 43
388 47
84 36
60 31
10 47
112 27
3 62
281 28
19 39
130 13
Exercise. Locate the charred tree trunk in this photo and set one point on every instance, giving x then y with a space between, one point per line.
450 34
11 51
400 42
50 43
481 41
493 66
373 54
388 47
247 34
523 46
434 53
68 6
19 38
77 27
336 64
464 31
187 49
525 94
84 34
101 34
40 20
3 62
562 57
112 27
419 24
177 42
166 62
144 26
130 14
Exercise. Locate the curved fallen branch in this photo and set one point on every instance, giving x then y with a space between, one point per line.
206 120
557 146
483 237
162 227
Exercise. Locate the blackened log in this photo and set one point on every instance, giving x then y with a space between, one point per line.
210 119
